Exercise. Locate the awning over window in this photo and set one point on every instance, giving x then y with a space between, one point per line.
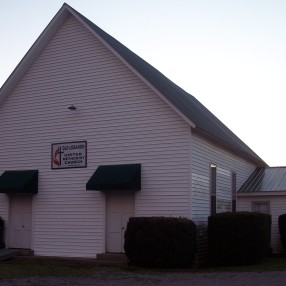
116 177
19 182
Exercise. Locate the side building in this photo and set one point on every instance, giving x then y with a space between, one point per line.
265 191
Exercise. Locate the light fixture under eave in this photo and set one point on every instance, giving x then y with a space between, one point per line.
72 108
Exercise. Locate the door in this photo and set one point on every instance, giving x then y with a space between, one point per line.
20 222
119 206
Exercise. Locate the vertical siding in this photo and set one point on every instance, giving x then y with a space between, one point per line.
122 120
204 153
277 207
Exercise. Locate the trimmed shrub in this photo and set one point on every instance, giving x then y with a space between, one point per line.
282 229
162 242
2 226
240 238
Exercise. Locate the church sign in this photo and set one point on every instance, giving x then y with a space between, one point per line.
69 155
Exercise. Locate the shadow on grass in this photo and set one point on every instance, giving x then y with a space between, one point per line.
22 267
273 263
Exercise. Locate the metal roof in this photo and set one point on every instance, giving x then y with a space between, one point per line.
206 123
265 180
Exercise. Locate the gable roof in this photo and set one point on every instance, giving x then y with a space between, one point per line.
203 121
265 180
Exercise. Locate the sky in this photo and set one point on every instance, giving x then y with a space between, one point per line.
229 54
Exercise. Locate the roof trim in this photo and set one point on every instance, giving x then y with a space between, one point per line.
184 104
229 147
40 44
262 194
170 104
32 54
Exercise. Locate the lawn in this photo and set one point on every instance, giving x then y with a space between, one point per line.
22 267
273 263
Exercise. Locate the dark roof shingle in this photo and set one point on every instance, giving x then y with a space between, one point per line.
206 123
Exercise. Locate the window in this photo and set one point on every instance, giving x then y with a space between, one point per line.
213 188
261 207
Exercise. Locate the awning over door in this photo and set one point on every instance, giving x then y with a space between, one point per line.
25 182
116 177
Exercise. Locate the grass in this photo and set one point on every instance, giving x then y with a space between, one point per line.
47 267
30 267
273 263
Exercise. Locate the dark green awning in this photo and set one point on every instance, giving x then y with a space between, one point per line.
116 177
19 182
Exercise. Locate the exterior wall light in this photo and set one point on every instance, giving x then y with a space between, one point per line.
72 108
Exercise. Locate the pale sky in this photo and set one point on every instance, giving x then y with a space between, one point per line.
229 54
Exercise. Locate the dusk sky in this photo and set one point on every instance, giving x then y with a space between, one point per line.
229 54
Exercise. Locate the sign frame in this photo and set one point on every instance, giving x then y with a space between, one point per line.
57 149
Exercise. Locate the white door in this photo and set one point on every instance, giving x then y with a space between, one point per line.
119 206
20 222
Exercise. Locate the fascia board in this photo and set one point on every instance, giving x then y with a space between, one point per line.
262 194
230 148
185 118
32 54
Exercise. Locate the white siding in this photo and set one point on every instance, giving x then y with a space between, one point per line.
203 154
224 191
277 207
121 119
4 208
3 205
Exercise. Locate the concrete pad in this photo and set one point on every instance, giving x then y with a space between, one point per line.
8 253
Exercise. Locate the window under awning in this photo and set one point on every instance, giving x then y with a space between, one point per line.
116 177
24 182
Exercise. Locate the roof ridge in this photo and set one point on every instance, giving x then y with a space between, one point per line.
204 120
202 117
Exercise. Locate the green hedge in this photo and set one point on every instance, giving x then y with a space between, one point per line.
2 226
282 229
162 242
240 238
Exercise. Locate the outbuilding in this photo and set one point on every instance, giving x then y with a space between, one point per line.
91 134
265 191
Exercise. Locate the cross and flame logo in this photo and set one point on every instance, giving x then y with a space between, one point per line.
57 156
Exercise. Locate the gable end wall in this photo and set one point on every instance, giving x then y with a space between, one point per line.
122 120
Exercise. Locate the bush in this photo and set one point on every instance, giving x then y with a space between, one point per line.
2 226
282 229
162 242
240 238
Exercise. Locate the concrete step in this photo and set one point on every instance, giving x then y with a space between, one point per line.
26 252
8 253
112 257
